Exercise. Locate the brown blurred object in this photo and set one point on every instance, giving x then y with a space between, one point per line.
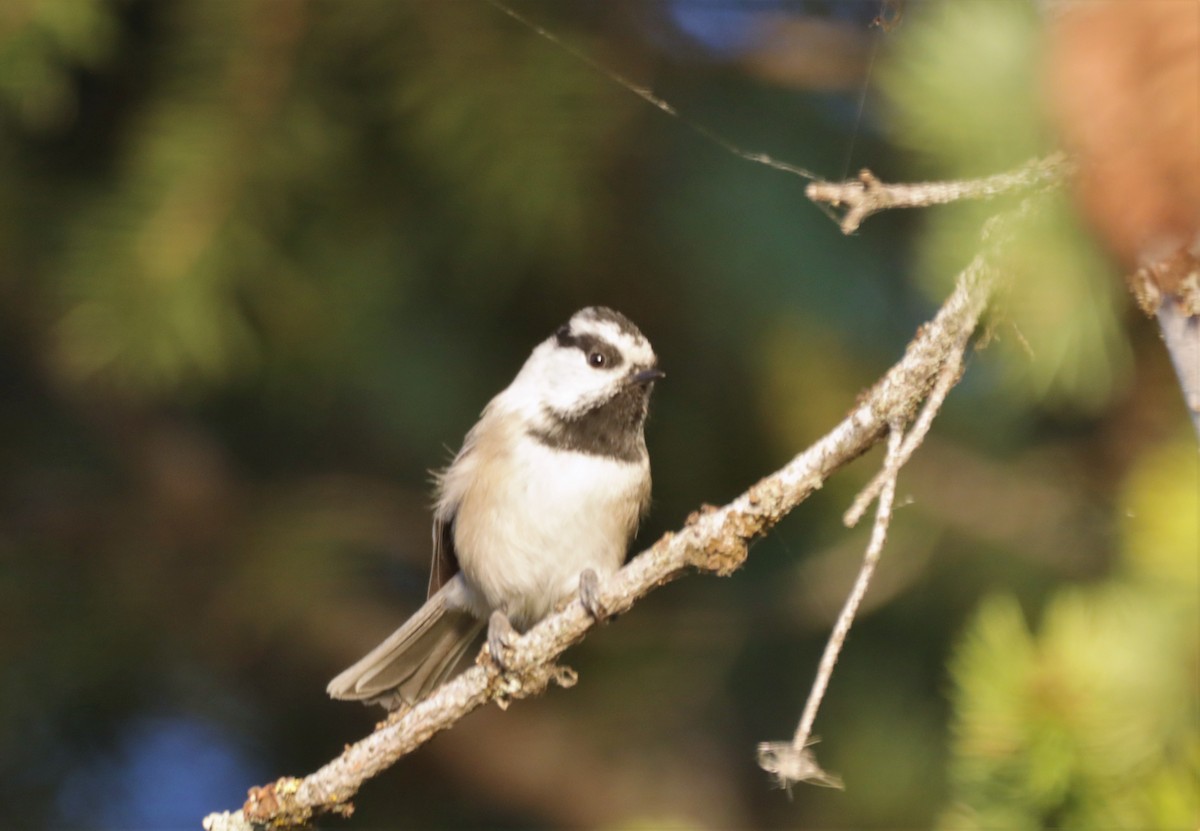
1123 80
1124 88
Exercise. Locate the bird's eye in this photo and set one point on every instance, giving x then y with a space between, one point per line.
596 359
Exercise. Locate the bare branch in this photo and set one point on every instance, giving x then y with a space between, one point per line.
1168 288
793 763
867 195
950 373
1181 335
713 540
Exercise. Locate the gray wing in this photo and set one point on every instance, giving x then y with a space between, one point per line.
445 560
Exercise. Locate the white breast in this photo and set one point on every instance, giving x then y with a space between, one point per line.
524 532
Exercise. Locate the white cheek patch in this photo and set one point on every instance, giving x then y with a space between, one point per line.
558 377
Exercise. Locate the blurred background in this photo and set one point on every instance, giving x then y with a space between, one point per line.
262 263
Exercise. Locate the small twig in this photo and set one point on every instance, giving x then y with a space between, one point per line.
947 378
883 519
867 195
794 762
996 233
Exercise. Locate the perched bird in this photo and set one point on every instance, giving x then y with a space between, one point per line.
542 500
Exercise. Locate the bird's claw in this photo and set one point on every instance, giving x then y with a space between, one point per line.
589 595
500 637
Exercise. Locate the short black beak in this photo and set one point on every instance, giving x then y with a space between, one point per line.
647 376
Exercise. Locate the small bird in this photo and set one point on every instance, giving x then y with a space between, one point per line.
542 500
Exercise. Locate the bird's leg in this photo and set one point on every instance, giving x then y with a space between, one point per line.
500 636
589 595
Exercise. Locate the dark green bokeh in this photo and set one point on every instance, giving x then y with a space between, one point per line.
262 263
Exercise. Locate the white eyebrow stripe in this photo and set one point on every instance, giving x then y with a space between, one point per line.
619 333
610 333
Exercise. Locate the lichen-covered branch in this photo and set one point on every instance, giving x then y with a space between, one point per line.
867 195
793 762
712 540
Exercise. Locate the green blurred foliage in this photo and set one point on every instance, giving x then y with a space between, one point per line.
1092 721
216 239
964 96
962 85
40 43
261 265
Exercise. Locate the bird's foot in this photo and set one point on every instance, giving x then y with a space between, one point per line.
500 637
589 595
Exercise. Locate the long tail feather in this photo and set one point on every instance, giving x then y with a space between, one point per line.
414 659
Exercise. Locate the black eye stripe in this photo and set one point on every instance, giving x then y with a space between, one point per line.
589 344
